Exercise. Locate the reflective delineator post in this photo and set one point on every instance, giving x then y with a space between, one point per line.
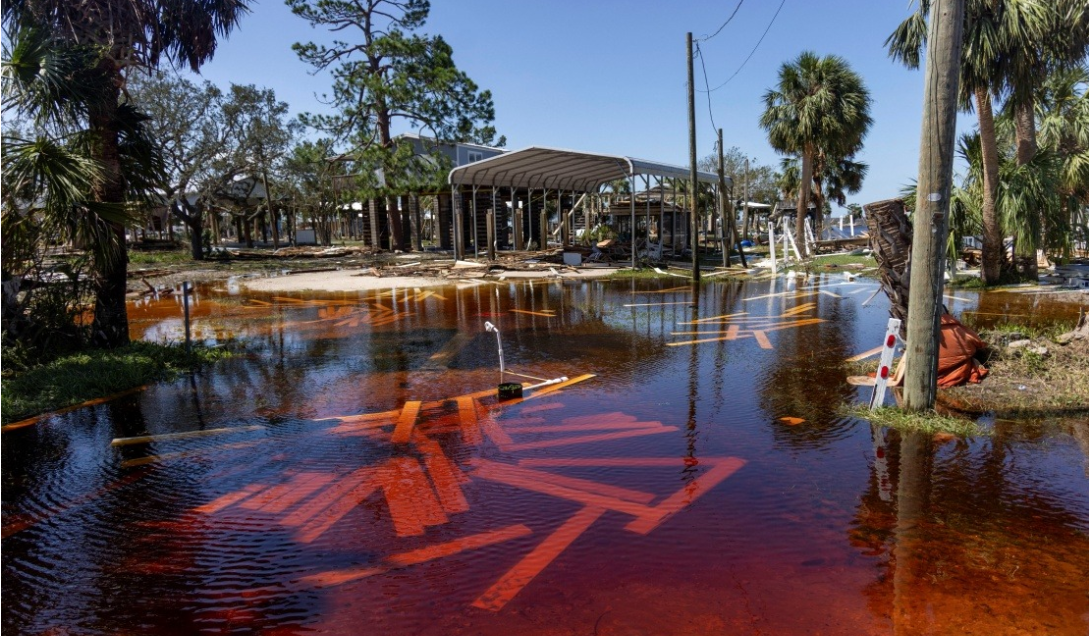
884 369
771 244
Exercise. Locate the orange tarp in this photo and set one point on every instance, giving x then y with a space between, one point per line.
956 364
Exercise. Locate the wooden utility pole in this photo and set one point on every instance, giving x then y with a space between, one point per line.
931 221
745 202
727 229
694 189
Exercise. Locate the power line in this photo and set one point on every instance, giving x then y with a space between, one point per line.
703 65
708 37
753 52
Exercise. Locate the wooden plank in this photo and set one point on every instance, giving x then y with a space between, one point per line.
587 485
148 439
446 477
562 385
533 313
518 577
420 555
686 495
541 407
615 462
229 499
412 503
525 479
800 309
406 422
325 498
569 428
865 354
442 358
762 339
470 421
496 434
324 520
587 439
300 487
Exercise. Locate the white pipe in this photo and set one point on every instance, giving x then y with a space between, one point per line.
545 383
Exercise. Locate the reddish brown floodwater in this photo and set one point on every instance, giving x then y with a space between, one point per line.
355 475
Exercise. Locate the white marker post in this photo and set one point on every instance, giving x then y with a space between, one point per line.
884 368
771 244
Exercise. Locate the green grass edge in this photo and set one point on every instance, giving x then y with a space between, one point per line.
929 422
98 373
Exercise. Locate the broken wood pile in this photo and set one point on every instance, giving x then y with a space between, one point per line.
298 252
890 240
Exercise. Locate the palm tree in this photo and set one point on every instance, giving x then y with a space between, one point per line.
111 37
1009 47
819 107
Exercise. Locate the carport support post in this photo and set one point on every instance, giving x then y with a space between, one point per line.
694 189
476 230
495 215
631 196
455 208
543 230
491 234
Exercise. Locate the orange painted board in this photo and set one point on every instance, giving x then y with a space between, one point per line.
317 526
518 577
621 462
762 339
412 503
325 498
684 288
533 313
165 437
529 480
556 387
800 309
388 416
421 555
796 323
472 396
229 499
685 496
716 318
612 416
445 476
292 493
586 439
406 422
497 435
568 428
865 354
587 485
541 407
470 425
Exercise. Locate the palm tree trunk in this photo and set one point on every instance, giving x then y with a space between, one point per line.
992 234
804 186
1025 126
110 327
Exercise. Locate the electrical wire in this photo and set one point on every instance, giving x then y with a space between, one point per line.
703 65
753 49
708 37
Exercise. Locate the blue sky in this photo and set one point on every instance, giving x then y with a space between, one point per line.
609 76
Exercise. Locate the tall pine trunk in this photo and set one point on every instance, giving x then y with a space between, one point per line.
992 233
110 327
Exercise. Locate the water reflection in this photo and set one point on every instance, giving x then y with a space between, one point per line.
971 542
351 466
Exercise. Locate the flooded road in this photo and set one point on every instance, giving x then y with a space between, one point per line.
350 471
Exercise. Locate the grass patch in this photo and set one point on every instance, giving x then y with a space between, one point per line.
144 258
87 375
643 273
929 422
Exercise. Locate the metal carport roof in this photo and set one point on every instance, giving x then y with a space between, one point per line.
553 168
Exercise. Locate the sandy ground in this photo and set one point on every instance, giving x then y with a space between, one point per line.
354 280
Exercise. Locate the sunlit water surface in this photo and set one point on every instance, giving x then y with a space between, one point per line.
356 475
